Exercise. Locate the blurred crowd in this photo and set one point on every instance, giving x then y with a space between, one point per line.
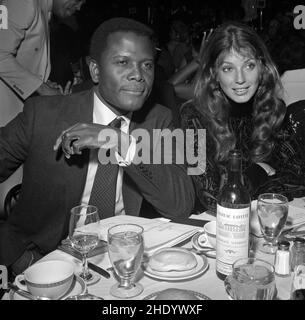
179 27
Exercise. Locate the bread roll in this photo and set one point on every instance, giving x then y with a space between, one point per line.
175 294
172 259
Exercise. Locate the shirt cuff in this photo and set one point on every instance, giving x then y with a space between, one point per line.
124 162
269 170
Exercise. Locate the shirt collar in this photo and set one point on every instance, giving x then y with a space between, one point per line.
103 115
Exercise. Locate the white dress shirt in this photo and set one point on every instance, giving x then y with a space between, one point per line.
103 115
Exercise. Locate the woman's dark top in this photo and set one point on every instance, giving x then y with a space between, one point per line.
288 156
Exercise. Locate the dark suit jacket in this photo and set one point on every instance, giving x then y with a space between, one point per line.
52 184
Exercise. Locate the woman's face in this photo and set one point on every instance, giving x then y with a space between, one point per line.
238 76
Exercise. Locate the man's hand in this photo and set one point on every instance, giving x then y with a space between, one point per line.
91 136
67 89
205 38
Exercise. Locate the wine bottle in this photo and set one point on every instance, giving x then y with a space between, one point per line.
233 213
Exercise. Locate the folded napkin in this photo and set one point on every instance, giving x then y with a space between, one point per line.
158 233
66 246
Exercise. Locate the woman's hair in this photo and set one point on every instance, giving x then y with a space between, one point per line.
268 109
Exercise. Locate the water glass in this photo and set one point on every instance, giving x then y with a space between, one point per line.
272 212
251 279
126 247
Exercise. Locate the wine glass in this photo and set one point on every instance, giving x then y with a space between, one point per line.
272 212
82 238
125 247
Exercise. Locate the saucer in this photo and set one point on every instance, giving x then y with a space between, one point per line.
201 267
198 295
78 286
200 239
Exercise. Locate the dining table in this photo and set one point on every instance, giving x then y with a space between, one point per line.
207 283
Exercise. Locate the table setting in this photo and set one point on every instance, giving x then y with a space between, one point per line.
127 257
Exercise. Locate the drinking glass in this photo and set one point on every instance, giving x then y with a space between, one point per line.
83 238
125 247
251 279
272 212
298 283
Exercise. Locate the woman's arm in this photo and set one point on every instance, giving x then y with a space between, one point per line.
184 73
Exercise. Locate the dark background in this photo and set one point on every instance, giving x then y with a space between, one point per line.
159 13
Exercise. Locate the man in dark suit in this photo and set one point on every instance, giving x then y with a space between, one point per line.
57 139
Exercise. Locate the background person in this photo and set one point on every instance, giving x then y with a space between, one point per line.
25 58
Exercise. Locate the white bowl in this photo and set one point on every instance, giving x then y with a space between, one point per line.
51 279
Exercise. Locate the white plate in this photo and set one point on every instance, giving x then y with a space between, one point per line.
198 295
78 286
200 239
201 267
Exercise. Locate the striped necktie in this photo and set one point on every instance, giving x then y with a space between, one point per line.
104 186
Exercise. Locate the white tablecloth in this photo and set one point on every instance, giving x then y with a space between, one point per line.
208 283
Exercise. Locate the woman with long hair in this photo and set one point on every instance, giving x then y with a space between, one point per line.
237 99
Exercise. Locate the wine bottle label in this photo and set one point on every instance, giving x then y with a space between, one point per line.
232 237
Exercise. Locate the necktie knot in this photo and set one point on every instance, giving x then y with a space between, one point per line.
116 123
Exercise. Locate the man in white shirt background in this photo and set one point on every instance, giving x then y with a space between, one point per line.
25 58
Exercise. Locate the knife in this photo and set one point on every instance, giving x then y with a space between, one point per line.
99 270
77 255
293 235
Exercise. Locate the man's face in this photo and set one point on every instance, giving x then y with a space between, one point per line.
125 72
66 8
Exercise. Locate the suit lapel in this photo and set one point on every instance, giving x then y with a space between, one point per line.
46 49
76 166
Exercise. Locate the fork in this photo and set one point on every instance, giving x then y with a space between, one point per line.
201 252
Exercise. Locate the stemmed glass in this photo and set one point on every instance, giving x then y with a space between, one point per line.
126 247
82 238
272 212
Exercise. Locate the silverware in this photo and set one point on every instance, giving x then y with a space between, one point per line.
84 296
24 293
205 248
293 232
293 236
69 250
201 252
99 270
